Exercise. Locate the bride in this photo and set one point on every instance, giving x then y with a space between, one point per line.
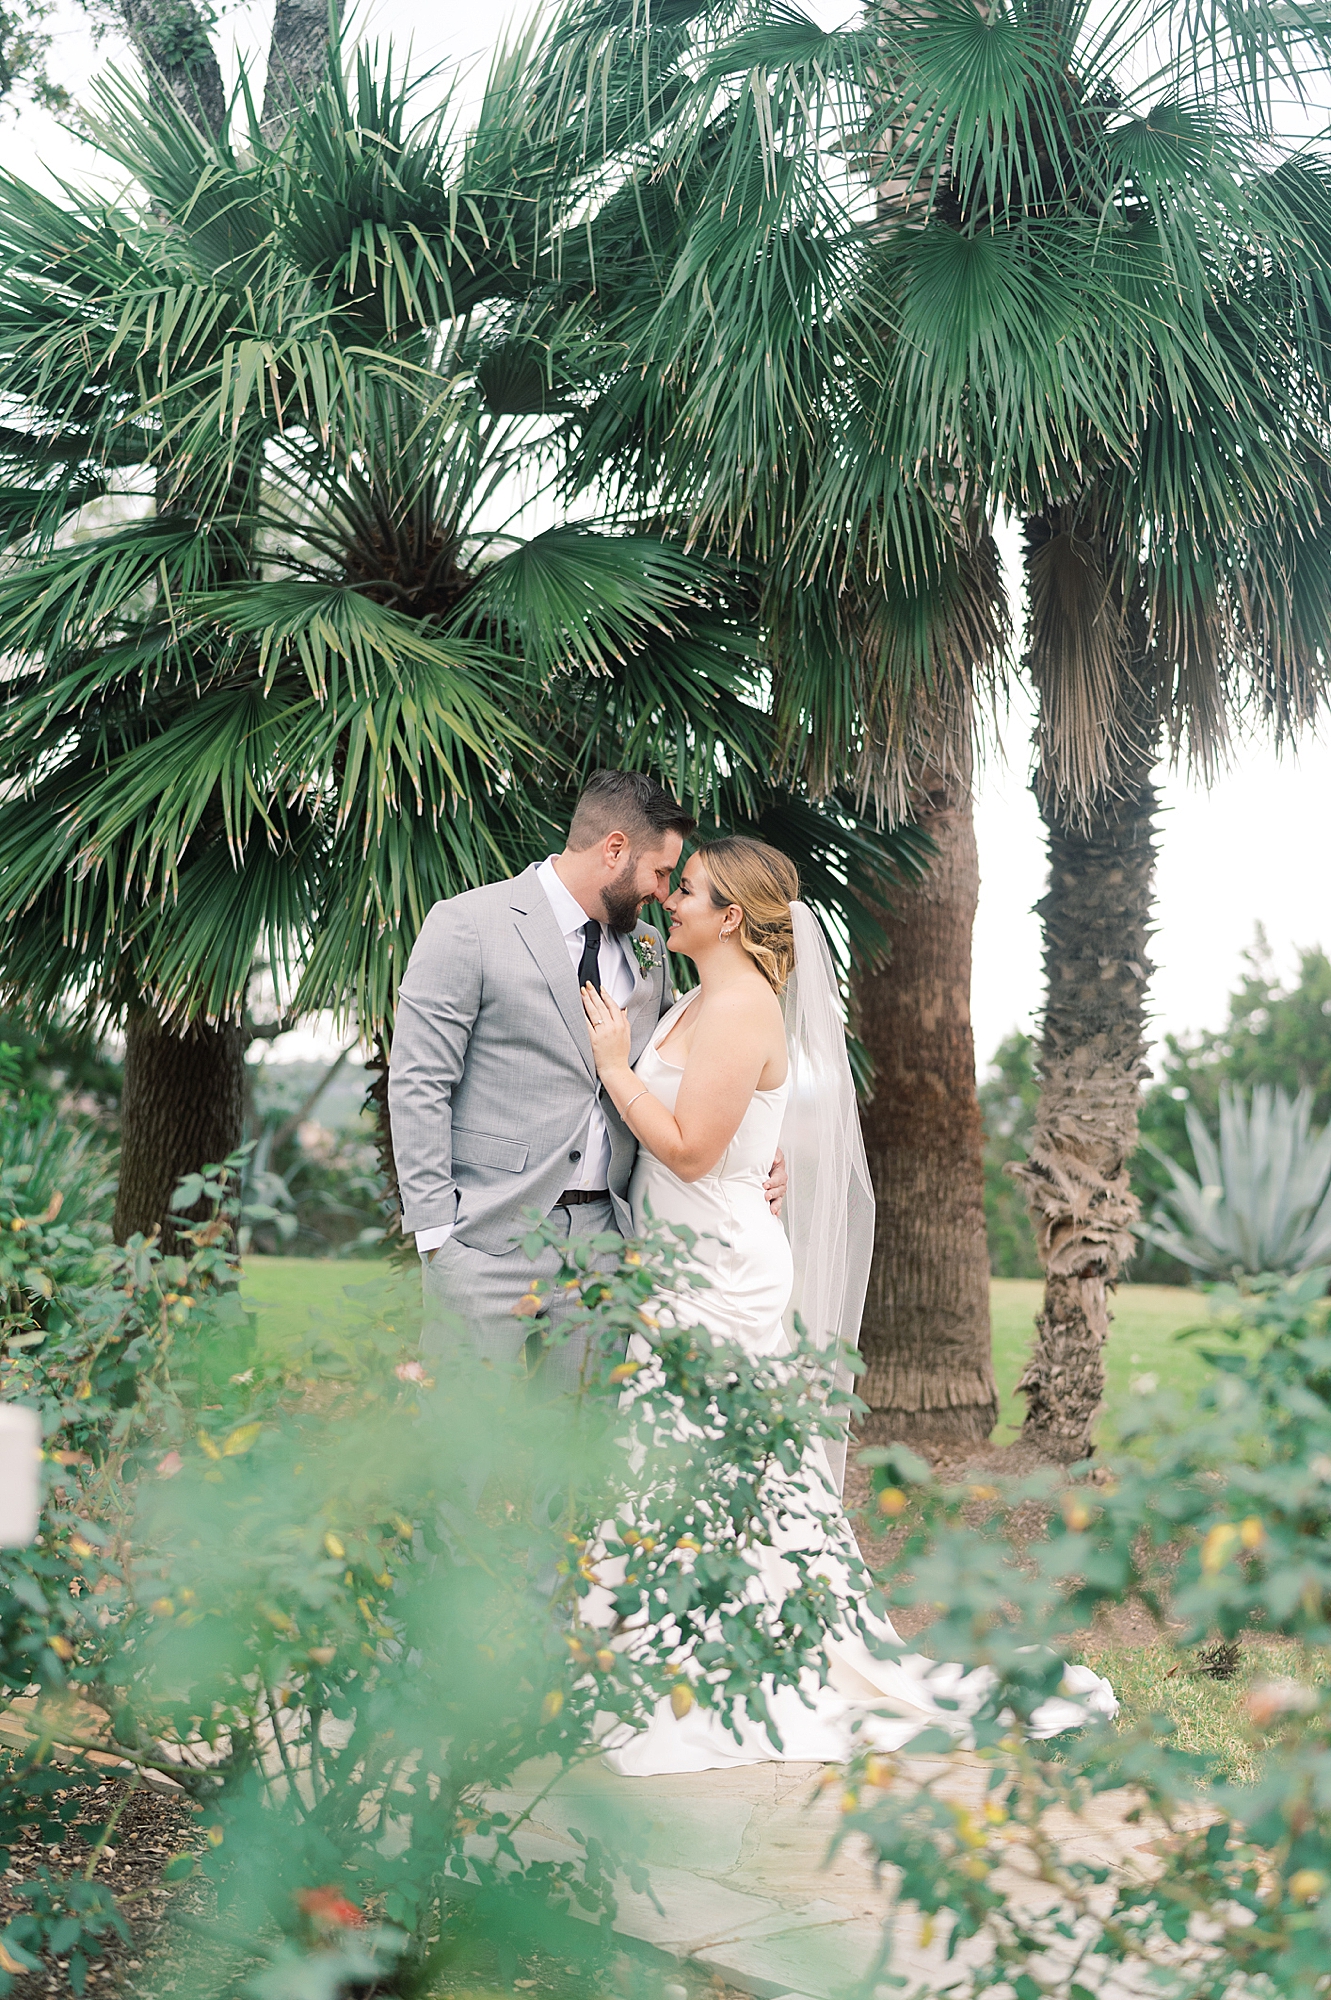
728 1076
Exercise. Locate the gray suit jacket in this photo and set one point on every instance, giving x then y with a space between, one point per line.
491 1079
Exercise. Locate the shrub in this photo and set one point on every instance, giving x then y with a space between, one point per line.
1222 1521
309 1598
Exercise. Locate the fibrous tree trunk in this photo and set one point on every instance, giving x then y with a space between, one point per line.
170 39
182 1108
297 58
1097 920
376 1096
926 1334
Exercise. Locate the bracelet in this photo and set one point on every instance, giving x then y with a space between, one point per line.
633 1100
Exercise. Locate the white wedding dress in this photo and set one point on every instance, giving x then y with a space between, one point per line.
744 1251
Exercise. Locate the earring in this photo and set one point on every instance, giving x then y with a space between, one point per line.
725 933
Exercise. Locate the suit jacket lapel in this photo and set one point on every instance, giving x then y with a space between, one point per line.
535 923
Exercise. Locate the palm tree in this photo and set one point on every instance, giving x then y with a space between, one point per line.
1096 296
293 676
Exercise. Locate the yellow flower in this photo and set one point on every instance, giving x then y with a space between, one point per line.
335 1546
240 1440
1306 1884
1217 1545
552 1704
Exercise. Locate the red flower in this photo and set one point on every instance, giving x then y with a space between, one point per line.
328 1906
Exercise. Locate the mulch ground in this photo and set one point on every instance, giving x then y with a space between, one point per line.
162 1954
154 1826
1129 1624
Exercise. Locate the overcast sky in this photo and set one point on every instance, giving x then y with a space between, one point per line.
1252 850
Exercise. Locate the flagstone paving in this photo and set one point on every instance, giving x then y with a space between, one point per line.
738 1866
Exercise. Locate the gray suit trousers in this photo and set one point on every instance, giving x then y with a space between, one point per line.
470 1292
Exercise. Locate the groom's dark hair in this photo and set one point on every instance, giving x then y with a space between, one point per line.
626 802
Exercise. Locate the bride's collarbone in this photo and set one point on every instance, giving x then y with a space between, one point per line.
679 1040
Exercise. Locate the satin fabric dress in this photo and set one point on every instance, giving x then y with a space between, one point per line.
743 1250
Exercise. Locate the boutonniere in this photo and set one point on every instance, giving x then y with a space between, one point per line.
647 954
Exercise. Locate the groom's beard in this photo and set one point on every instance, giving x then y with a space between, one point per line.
621 902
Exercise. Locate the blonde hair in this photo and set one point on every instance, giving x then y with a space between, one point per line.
764 882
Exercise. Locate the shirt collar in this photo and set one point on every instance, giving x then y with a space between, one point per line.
569 913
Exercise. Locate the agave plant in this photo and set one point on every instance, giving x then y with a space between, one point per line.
1263 1201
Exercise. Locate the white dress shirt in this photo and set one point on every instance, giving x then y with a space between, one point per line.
617 977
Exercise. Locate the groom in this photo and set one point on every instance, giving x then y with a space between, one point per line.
495 1103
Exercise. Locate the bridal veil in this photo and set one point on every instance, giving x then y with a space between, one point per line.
829 1207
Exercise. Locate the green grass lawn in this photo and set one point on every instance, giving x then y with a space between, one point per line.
294 1296
286 1291
1143 1344
1159 1680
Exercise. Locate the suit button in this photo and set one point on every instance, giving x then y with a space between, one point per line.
575 1154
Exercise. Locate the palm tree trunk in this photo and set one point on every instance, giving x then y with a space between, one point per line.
170 39
182 1108
926 1336
1097 919
377 1095
297 58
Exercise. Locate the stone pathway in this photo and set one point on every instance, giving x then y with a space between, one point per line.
737 1860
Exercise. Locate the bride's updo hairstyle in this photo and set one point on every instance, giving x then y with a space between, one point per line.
764 882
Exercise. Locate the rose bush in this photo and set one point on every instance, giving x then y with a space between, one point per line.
342 1604
1218 1517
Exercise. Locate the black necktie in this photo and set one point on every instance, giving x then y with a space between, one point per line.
589 968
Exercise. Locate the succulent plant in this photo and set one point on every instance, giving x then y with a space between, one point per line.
1263 1200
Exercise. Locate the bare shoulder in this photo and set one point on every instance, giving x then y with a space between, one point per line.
750 1006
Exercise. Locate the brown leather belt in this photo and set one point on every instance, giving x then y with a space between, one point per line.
575 1197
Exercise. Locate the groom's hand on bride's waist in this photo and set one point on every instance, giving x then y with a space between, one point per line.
774 1187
